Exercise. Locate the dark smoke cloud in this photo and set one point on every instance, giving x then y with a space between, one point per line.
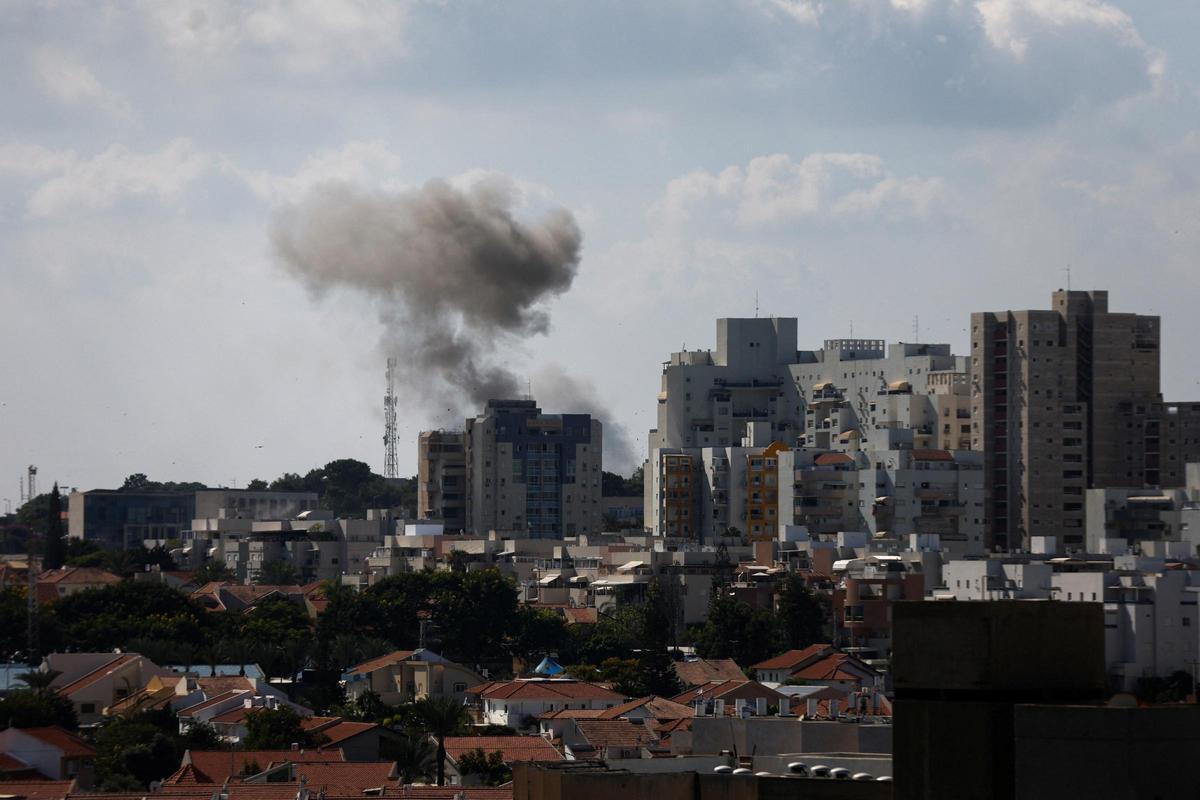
454 272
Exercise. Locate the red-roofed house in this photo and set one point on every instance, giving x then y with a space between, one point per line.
347 778
219 766
730 692
781 667
53 752
607 738
54 584
515 702
94 681
700 670
511 748
37 790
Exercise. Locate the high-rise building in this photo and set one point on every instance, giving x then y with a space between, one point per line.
442 478
1053 396
533 474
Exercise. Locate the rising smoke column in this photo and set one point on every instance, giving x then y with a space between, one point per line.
453 274
453 271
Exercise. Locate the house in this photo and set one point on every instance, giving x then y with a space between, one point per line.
649 707
780 668
699 671
817 665
405 676
733 698
358 741
221 766
94 681
608 739
511 748
37 790
226 596
518 703
228 713
55 584
49 752
333 777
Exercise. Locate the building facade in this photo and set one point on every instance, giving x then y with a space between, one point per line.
442 478
1049 389
533 473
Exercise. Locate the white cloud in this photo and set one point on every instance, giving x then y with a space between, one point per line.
1011 24
68 80
33 160
303 34
98 182
364 163
775 190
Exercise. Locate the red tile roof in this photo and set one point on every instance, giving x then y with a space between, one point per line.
211 701
70 744
574 713
729 691
835 667
220 765
513 748
544 689
78 576
10 764
655 707
37 790
345 730
693 673
87 680
831 459
602 733
368 667
347 777
580 616
795 658
932 455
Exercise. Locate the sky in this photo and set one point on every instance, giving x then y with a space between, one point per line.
881 166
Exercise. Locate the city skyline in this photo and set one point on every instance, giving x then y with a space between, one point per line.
954 166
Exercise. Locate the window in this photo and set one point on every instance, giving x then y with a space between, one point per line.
87 708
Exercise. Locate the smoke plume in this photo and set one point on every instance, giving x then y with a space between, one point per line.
453 273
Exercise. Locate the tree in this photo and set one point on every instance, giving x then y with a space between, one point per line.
136 482
801 615
440 717
212 571
490 767
134 748
413 753
735 630
106 618
276 729
654 660
539 632
55 551
30 708
474 611
278 573
257 485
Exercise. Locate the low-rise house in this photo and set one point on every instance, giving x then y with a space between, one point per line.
781 667
37 790
519 703
219 767
358 741
94 681
695 672
405 676
333 777
228 713
732 698
512 749
227 596
49 752
55 584
608 739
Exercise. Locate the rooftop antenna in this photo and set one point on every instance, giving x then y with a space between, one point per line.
851 329
31 483
1068 271
756 303
390 470
916 328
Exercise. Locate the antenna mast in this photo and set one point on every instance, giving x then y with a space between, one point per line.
31 483
389 423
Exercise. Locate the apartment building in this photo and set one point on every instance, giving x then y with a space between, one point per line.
1050 391
533 473
442 478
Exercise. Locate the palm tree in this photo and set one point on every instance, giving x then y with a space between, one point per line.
39 681
441 717
413 754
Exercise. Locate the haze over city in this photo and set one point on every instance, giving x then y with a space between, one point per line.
876 166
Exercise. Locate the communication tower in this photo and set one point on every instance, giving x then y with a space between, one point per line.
390 469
